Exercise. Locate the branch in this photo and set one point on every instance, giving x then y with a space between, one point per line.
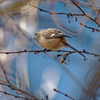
94 20
15 95
38 51
64 56
4 73
93 29
97 14
64 94
84 14
59 13
84 51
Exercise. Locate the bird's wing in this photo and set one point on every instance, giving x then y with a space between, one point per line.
53 33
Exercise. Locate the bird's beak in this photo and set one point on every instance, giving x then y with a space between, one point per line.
34 38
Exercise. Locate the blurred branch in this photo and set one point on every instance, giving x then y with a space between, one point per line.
95 90
93 86
97 14
64 94
47 97
1 1
11 86
15 95
17 25
16 6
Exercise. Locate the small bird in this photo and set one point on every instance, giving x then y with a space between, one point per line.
52 39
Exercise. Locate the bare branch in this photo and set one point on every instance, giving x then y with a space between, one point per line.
93 29
97 14
4 73
38 51
64 94
85 13
15 95
59 13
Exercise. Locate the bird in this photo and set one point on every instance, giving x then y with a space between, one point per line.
53 39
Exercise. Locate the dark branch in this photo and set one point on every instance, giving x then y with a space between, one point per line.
15 95
85 13
64 94
38 51
59 13
93 29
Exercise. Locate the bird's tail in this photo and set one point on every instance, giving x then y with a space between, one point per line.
68 45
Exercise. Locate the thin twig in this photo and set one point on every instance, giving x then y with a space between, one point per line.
59 13
4 73
64 94
93 29
15 95
84 51
97 14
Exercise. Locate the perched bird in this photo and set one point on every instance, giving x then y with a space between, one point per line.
52 39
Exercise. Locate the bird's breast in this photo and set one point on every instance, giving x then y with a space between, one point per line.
52 44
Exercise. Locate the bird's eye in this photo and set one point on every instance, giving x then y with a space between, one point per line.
36 34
